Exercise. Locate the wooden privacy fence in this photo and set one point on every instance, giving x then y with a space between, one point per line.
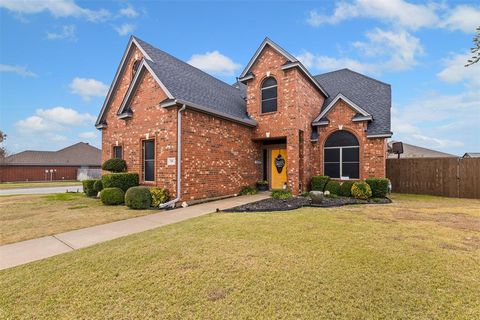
450 177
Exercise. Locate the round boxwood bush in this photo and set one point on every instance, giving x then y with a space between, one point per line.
361 190
138 198
159 196
345 189
112 196
332 186
124 180
379 186
114 165
318 183
98 185
88 187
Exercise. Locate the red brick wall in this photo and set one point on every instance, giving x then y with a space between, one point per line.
372 151
218 156
298 103
36 173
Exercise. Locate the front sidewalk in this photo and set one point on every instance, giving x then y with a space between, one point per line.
15 254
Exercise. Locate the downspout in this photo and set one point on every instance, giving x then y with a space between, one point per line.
172 203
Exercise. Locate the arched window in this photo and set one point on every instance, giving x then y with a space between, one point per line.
341 156
135 68
269 95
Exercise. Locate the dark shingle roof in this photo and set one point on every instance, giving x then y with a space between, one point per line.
79 154
188 83
369 94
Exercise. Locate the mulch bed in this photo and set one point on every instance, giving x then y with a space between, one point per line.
272 204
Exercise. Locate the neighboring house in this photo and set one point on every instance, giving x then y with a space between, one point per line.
50 165
472 155
412 151
277 123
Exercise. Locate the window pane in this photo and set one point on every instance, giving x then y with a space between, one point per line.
269 105
269 93
149 149
350 155
332 170
149 171
117 152
341 138
350 170
332 155
269 82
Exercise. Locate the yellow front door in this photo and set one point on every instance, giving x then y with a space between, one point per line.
278 168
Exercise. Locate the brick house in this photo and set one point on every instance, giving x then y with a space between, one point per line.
63 164
277 123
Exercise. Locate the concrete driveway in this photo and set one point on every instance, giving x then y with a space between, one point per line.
44 190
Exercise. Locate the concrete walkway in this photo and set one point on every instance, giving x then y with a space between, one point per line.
15 254
42 190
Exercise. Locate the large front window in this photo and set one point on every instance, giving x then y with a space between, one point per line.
148 160
269 95
341 156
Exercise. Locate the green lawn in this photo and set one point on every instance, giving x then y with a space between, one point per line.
17 185
24 217
416 258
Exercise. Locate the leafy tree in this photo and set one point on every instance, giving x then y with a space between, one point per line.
476 50
3 151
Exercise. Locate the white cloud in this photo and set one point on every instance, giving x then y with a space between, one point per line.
400 46
88 135
58 8
53 120
395 51
462 17
88 88
397 12
454 71
129 12
125 29
214 62
66 32
20 70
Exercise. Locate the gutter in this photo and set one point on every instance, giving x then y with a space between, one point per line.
172 203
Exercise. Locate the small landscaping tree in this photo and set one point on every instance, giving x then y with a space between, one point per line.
138 198
112 196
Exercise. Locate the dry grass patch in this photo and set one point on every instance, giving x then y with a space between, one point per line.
26 217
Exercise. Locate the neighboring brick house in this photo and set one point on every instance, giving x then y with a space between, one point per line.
277 123
63 164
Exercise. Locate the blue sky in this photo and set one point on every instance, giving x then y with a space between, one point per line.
57 58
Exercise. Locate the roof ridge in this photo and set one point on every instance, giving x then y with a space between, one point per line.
185 63
352 71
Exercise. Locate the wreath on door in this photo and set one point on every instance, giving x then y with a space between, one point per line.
279 163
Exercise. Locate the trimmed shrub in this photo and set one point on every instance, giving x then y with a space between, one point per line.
138 198
112 196
281 194
88 187
123 181
345 189
98 185
332 186
361 190
114 165
248 191
318 183
379 186
159 196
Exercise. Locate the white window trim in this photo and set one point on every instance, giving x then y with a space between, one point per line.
341 162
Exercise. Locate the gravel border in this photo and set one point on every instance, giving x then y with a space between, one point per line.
272 204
